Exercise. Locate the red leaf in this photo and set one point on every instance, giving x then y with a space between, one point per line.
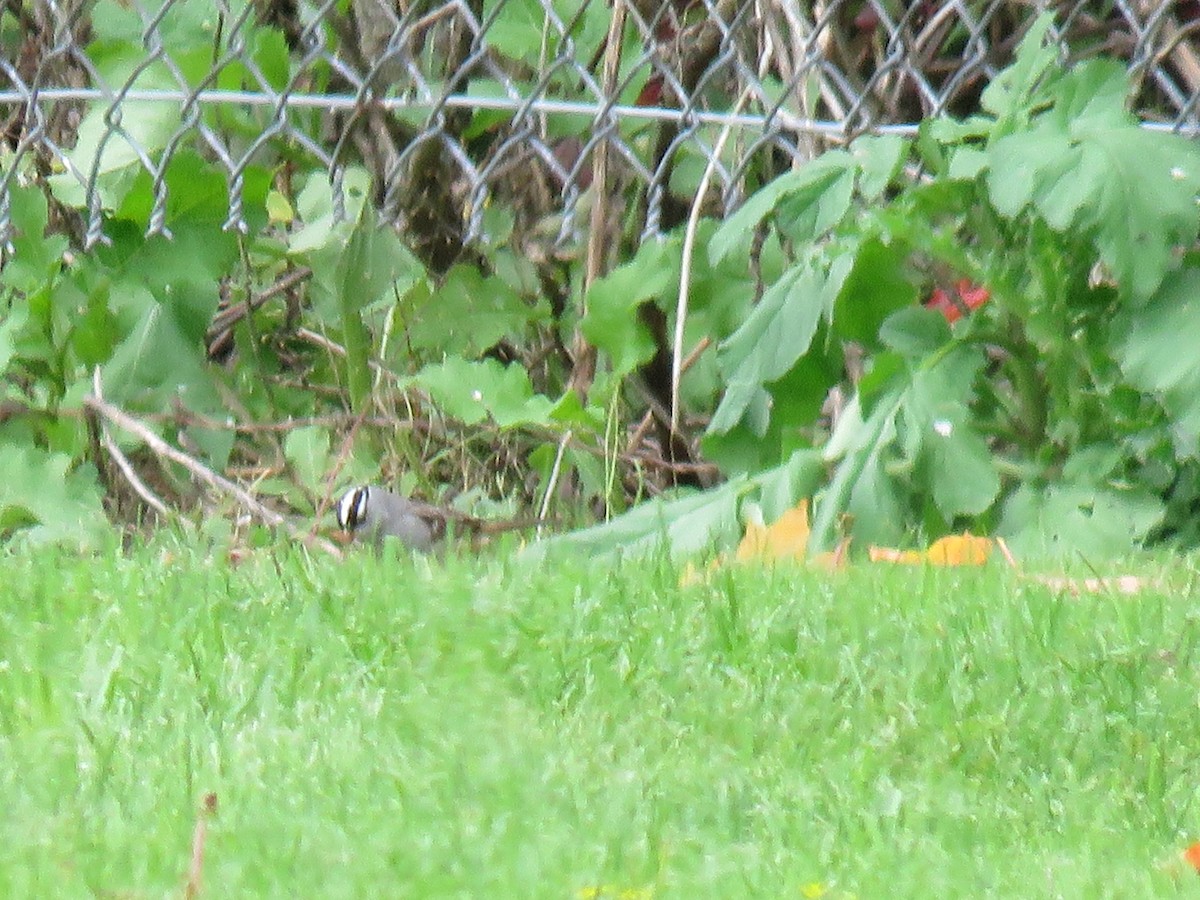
968 296
939 301
974 295
651 92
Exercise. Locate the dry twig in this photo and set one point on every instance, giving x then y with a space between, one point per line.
199 834
685 265
599 243
123 464
220 331
162 449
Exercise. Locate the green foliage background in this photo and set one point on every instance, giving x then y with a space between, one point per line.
1064 413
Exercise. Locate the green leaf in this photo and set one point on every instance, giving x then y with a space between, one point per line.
107 152
952 131
519 29
1156 349
570 411
915 332
693 522
1088 167
271 56
1097 521
938 433
485 118
11 325
473 392
962 470
879 158
470 313
1021 166
876 286
881 372
684 525
782 487
612 324
856 445
1013 91
162 297
808 215
779 418
184 273
804 187
315 207
1094 94
966 163
1147 205
374 259
307 451
156 359
777 333
197 192
47 502
1064 195
36 256
917 440
94 332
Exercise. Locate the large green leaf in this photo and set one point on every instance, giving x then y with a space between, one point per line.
374 259
473 392
939 436
1095 520
468 313
915 332
779 418
685 525
162 296
1156 348
45 501
778 332
803 189
877 285
157 355
612 324
1089 166
696 521
108 148
917 440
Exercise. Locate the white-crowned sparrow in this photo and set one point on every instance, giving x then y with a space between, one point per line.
373 514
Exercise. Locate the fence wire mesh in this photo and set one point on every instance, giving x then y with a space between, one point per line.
452 106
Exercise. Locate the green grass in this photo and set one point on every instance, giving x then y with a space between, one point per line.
476 729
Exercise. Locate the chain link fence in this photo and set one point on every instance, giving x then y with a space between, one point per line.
456 108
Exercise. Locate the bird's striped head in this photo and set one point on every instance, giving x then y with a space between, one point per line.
352 508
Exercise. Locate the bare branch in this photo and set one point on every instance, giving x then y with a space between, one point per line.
131 475
161 448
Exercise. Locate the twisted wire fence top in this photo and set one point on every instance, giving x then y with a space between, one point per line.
473 100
